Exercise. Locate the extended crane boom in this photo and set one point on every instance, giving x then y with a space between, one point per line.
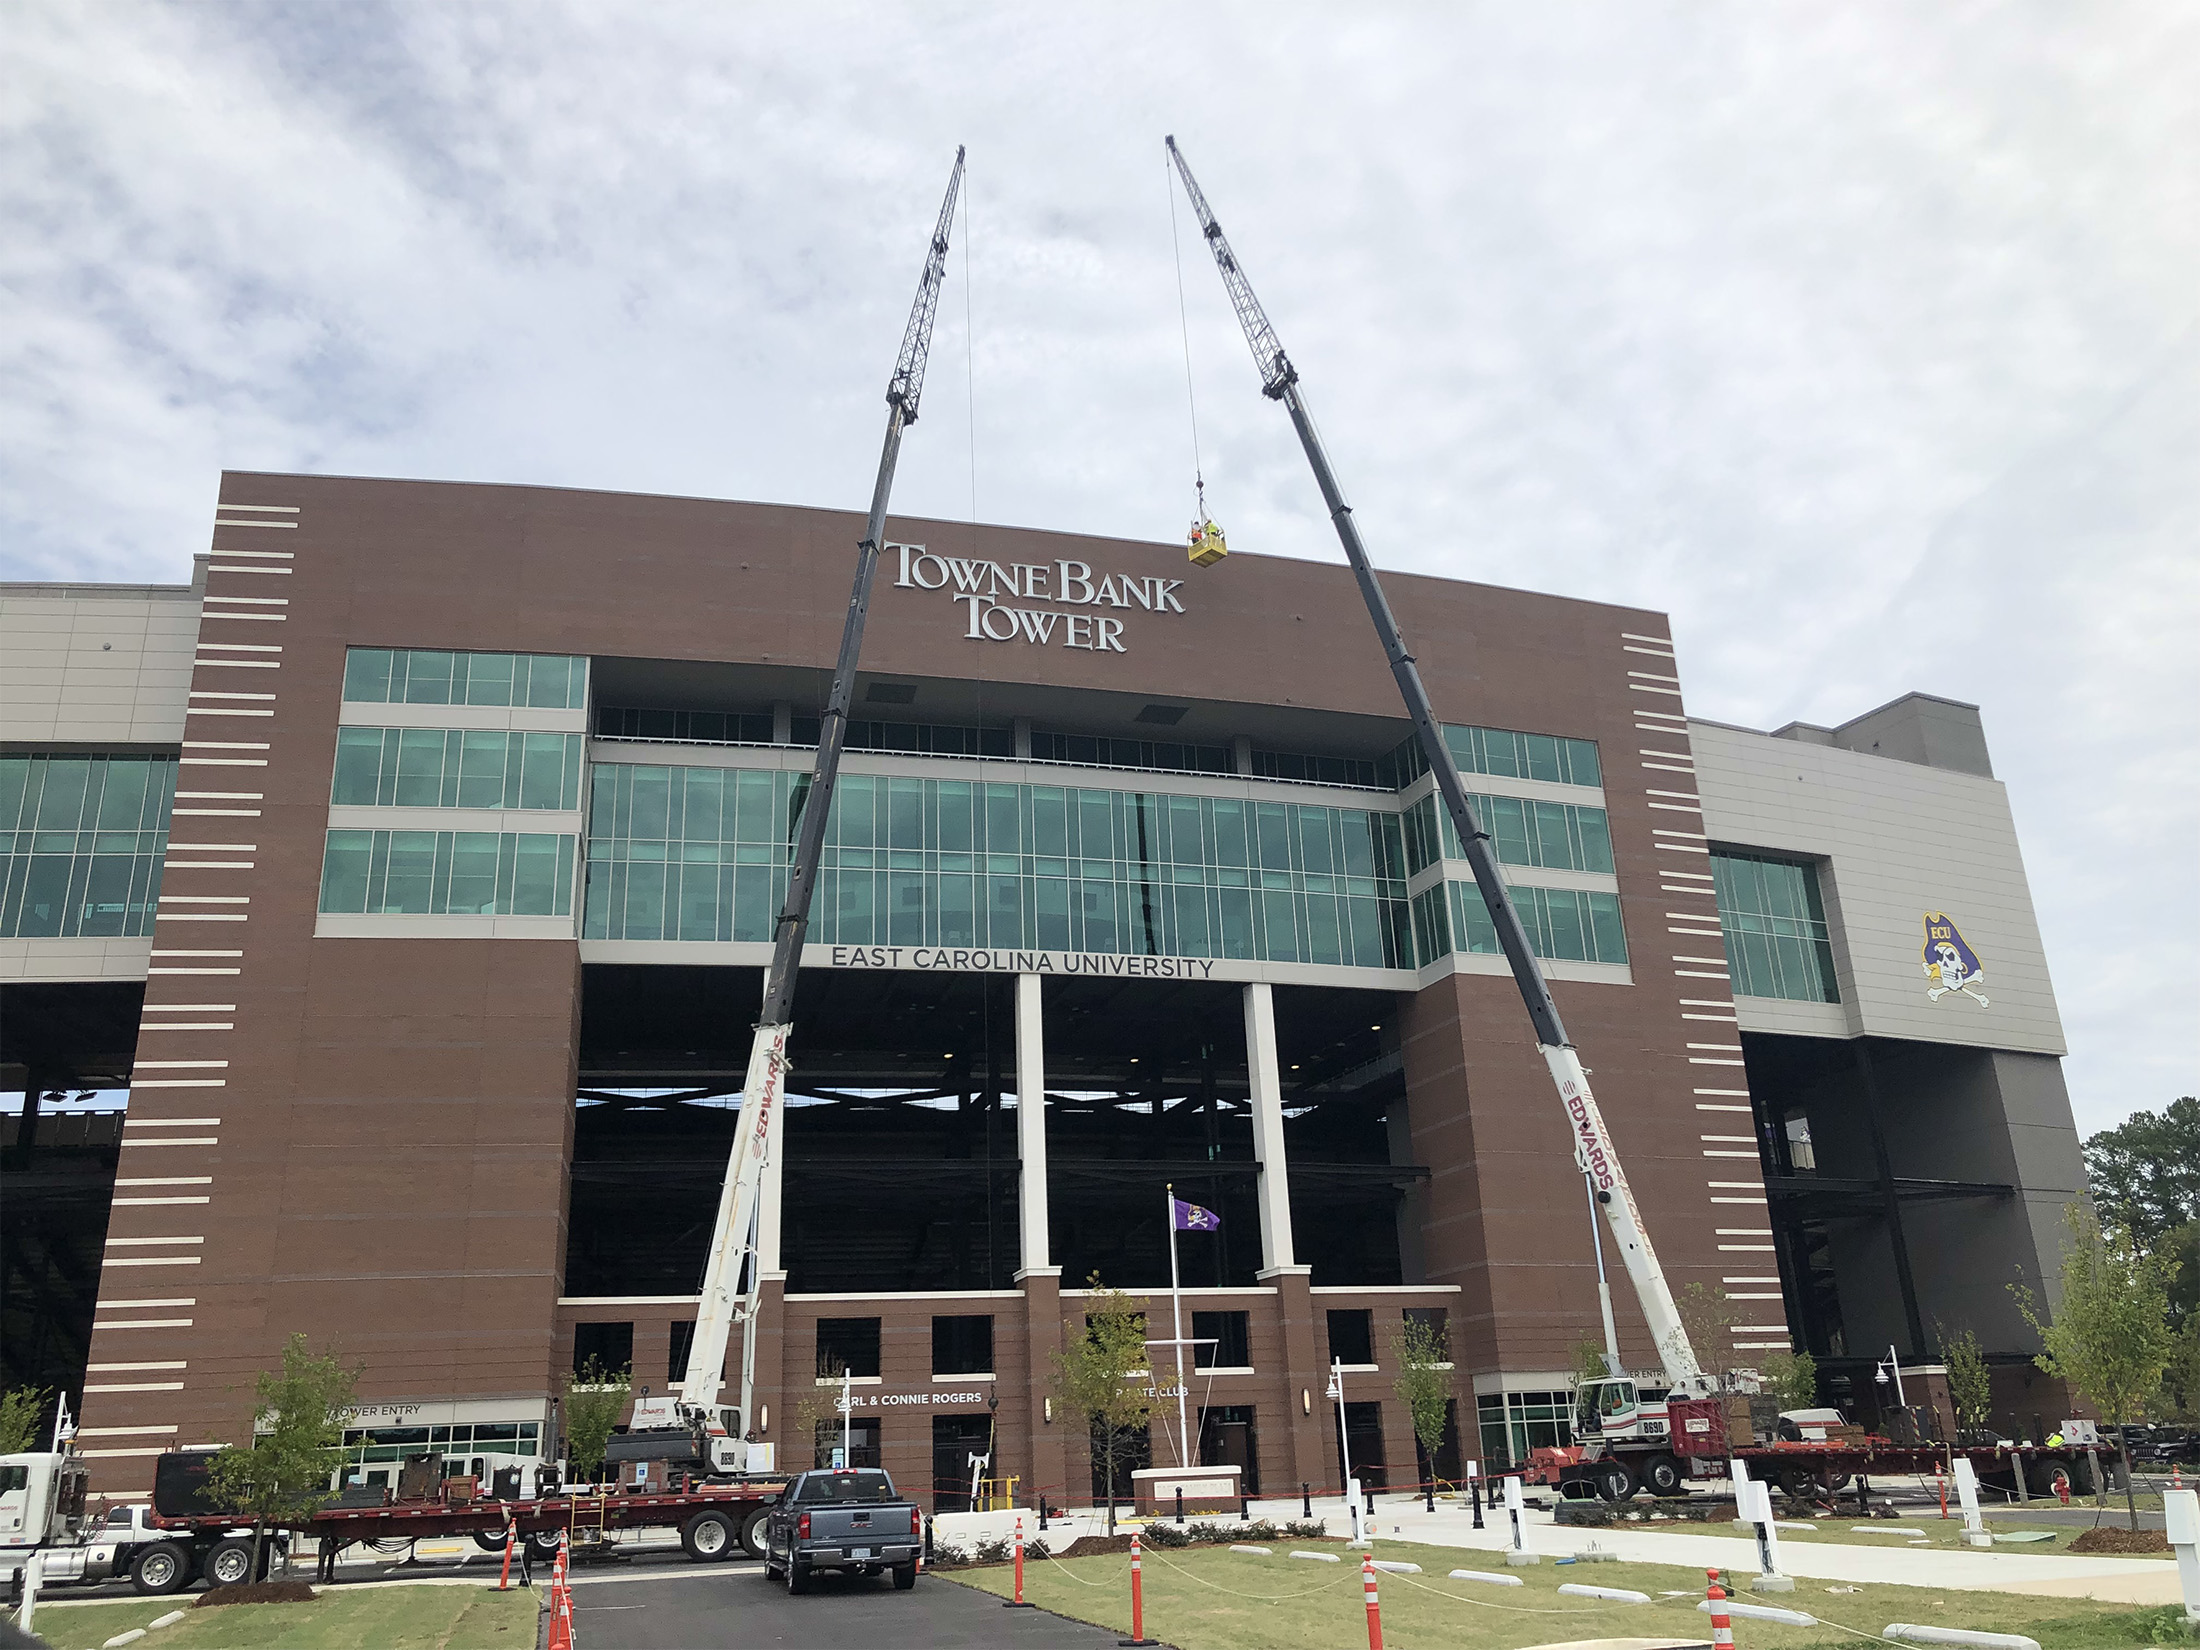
1593 1151
733 1238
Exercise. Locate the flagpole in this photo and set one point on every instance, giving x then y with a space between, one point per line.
1176 1312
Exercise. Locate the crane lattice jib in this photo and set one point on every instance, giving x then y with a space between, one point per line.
907 384
1276 371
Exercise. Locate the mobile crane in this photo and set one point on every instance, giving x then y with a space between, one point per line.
1612 1399
717 1430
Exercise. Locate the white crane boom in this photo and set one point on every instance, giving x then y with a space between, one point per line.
1593 1150
733 1238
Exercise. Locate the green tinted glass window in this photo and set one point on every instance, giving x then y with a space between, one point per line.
1563 836
1563 924
455 768
438 873
82 842
1774 925
947 862
426 676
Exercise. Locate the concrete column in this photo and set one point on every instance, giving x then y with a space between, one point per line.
1031 1128
1021 732
1265 1080
1241 754
782 722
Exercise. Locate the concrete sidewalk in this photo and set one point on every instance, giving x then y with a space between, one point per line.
2120 1580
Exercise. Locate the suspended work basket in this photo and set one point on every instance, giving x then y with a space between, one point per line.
1207 546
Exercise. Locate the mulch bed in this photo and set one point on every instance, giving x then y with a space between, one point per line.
258 1592
2106 1538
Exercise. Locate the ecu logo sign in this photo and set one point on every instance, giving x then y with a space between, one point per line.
1950 963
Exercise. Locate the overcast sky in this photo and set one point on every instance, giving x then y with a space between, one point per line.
1864 340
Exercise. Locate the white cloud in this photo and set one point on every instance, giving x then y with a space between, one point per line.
1861 340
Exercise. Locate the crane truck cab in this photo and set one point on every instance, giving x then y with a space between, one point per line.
706 1438
1614 1410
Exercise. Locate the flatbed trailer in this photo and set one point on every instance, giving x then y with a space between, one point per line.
715 1521
1812 1469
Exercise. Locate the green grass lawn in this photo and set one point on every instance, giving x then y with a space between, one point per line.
1209 1598
367 1618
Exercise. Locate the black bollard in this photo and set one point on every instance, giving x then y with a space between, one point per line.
1042 1512
1180 1503
1306 1500
1475 1485
1429 1489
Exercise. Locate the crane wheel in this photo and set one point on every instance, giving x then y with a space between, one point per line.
1662 1476
1614 1481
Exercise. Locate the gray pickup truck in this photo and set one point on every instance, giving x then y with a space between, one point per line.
852 1521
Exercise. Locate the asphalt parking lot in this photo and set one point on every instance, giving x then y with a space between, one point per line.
697 1607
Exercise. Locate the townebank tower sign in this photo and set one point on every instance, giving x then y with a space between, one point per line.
996 597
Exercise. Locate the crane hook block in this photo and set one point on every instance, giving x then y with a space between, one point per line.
1207 545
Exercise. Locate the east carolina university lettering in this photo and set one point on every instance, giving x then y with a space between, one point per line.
986 585
1021 962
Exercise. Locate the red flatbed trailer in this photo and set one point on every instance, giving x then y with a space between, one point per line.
1700 1446
715 1521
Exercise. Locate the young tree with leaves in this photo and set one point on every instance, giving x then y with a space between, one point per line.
1708 1316
595 1398
1792 1377
1970 1383
2145 1172
282 1473
1422 1355
1093 1373
2110 1338
20 1409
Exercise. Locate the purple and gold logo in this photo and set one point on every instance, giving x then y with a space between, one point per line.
1950 963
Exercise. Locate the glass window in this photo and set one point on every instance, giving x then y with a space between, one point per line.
1774 925
415 873
453 768
419 676
82 840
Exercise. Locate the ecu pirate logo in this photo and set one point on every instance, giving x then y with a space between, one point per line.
1950 963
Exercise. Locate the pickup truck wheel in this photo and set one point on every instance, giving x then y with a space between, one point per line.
798 1578
1614 1481
708 1537
229 1563
905 1576
162 1568
1662 1475
755 1537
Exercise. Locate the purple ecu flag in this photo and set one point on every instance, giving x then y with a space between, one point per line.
1190 1217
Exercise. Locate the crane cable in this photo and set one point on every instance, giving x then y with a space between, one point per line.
1184 324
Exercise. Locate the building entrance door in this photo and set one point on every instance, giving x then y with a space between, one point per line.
1227 1439
955 1439
1363 1425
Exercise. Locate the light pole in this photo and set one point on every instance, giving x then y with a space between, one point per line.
1895 1364
1344 1442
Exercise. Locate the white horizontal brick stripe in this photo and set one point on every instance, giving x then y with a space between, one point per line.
143 1242
173 1122
217 567
264 618
198 916
239 664
1678 796
194 971
1710 1153
170 1300
1736 1185
218 693
1677 807
1741 1231
1652 676
1699 974
1645 687
206 899
225 813
194 1140
1694 876
116 1454
1730 1019
1706 1105
1757 1200
1723 1048
172 1180
1745 1139
1763 1346
215 847
146 1323
221 521
1682 847
151 1202
1707 1060
209 864
1744 1093
178 1065
1669 716
1745 1248
1719 962
1694 933
271 509
132 1386
251 601
190 1008
221 761
1664 767
1758 1329
1660 830
125 1369
241 647
188 1025
150 1260
1736 1295
216 710
127 1432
